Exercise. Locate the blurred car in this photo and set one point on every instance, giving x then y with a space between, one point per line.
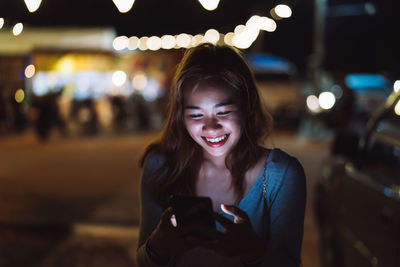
357 202
279 89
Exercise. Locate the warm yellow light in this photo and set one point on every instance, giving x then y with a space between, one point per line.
246 38
17 29
267 24
154 43
139 81
143 43
396 86
65 64
118 78
326 100
283 11
32 5
397 108
229 38
168 41
123 5
120 43
19 95
211 36
133 43
209 5
29 71
239 29
183 40
313 103
1 23
197 39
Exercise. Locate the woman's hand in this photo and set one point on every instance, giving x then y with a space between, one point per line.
239 239
169 239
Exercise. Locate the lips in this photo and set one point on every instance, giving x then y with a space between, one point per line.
217 141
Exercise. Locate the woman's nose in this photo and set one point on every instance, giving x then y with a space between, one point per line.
211 124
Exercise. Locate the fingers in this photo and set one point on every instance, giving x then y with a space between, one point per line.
239 215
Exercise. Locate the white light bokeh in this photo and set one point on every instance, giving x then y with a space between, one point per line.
17 29
313 103
133 43
267 24
168 41
154 43
326 100
211 36
118 78
283 11
143 43
209 5
239 29
1 22
32 5
29 71
124 5
197 39
396 86
120 43
183 40
228 38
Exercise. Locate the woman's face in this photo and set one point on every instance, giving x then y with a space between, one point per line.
212 119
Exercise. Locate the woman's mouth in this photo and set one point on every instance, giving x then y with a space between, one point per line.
216 141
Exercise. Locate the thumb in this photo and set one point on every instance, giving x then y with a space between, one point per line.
239 215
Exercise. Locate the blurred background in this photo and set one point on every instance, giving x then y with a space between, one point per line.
84 87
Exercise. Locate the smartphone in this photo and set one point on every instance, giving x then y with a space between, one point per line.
190 209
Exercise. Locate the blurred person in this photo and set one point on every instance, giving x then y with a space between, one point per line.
211 145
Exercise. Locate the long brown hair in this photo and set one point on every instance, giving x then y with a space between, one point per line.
182 156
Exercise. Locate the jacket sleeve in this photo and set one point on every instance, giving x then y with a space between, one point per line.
287 208
150 212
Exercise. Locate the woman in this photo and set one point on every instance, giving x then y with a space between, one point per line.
211 146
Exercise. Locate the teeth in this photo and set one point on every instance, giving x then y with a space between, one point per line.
216 140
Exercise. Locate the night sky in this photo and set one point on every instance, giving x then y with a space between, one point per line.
353 43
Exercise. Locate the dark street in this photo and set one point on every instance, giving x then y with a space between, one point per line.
74 202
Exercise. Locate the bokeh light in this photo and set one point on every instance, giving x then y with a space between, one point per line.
396 86
30 71
124 5
154 43
168 41
139 81
133 43
209 5
32 5
143 43
19 95
228 38
397 108
17 29
211 36
197 39
313 103
283 11
326 100
267 24
120 43
118 78
1 22
183 40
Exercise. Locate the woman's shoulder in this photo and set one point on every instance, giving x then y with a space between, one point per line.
153 160
281 162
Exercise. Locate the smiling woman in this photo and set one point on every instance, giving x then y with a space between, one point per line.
211 147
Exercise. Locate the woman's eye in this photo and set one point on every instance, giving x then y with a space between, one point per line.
222 113
195 116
